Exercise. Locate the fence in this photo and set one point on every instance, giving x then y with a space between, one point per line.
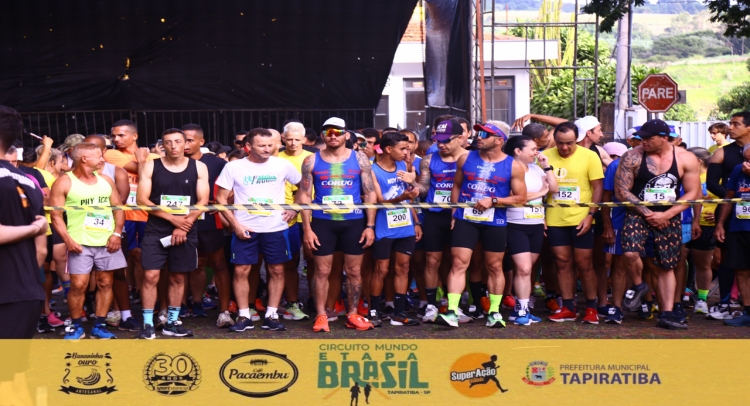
218 125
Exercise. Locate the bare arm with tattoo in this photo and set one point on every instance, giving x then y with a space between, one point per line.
369 196
304 196
423 183
630 162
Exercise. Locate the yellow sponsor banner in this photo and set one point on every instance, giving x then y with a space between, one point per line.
376 372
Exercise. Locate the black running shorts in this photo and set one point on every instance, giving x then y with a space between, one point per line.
466 235
382 248
436 230
182 258
525 238
343 234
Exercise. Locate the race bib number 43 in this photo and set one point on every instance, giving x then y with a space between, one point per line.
175 203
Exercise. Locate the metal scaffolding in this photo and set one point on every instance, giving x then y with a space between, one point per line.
585 78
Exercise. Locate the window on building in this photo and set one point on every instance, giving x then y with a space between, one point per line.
415 102
500 99
381 114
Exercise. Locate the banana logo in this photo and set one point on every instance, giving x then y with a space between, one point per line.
90 380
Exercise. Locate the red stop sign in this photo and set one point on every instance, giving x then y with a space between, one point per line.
657 93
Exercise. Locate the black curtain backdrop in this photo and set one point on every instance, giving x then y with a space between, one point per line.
197 55
447 57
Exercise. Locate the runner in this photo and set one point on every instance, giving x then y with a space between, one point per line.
172 181
340 176
437 172
491 177
526 225
541 136
23 244
93 238
722 163
569 230
395 229
703 248
719 133
632 138
210 237
125 321
294 135
612 219
737 237
654 172
259 179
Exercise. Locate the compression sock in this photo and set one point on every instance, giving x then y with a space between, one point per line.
148 317
173 314
431 296
570 305
476 292
495 301
399 301
453 300
374 302
703 294
726 280
66 288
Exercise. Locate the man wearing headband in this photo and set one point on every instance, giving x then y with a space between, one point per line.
484 178
650 173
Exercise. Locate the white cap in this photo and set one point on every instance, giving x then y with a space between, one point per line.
335 122
358 135
630 134
584 124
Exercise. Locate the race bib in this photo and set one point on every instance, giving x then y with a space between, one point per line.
97 222
567 194
473 214
398 218
742 210
174 201
534 212
338 199
131 196
659 194
442 196
260 200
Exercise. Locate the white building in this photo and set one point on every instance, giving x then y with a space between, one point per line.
402 100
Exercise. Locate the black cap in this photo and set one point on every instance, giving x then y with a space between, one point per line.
652 128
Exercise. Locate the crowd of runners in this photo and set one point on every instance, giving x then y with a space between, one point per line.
373 268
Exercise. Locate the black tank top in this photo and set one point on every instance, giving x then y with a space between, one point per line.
165 183
596 151
647 180
732 158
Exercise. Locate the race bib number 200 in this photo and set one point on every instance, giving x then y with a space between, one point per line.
398 218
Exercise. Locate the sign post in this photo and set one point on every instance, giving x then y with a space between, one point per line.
658 93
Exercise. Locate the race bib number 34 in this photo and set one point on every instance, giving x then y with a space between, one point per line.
175 203
97 222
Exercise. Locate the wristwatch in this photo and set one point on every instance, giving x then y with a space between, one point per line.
549 168
371 227
117 235
418 224
494 201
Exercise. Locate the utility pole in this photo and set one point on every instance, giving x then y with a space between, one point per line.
622 74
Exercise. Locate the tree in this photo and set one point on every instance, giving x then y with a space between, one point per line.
681 112
734 101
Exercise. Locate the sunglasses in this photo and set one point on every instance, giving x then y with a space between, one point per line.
446 141
362 144
334 132
485 134
238 142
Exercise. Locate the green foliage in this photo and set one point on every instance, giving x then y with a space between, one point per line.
733 14
734 101
670 47
681 112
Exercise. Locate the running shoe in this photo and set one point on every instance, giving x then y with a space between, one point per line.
591 316
332 315
254 316
485 302
130 324
375 318
100 332
614 315
135 296
462 318
509 302
147 332
688 298
321 324
701 307
54 321
430 314
113 318
670 322
538 290
271 323
604 310
198 310
520 318
176 329
720 313
233 307
358 322
735 304
533 318
161 319
645 312
242 324
564 314
224 320
293 311
58 289
387 312
402 319
43 326
475 312
212 292
74 332
208 303
449 319
259 305
495 320
184 311
741 321
362 309
516 313
634 297
679 312
551 305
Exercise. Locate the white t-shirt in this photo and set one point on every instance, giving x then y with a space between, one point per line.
527 215
259 183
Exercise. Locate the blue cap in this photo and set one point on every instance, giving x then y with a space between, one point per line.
492 129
